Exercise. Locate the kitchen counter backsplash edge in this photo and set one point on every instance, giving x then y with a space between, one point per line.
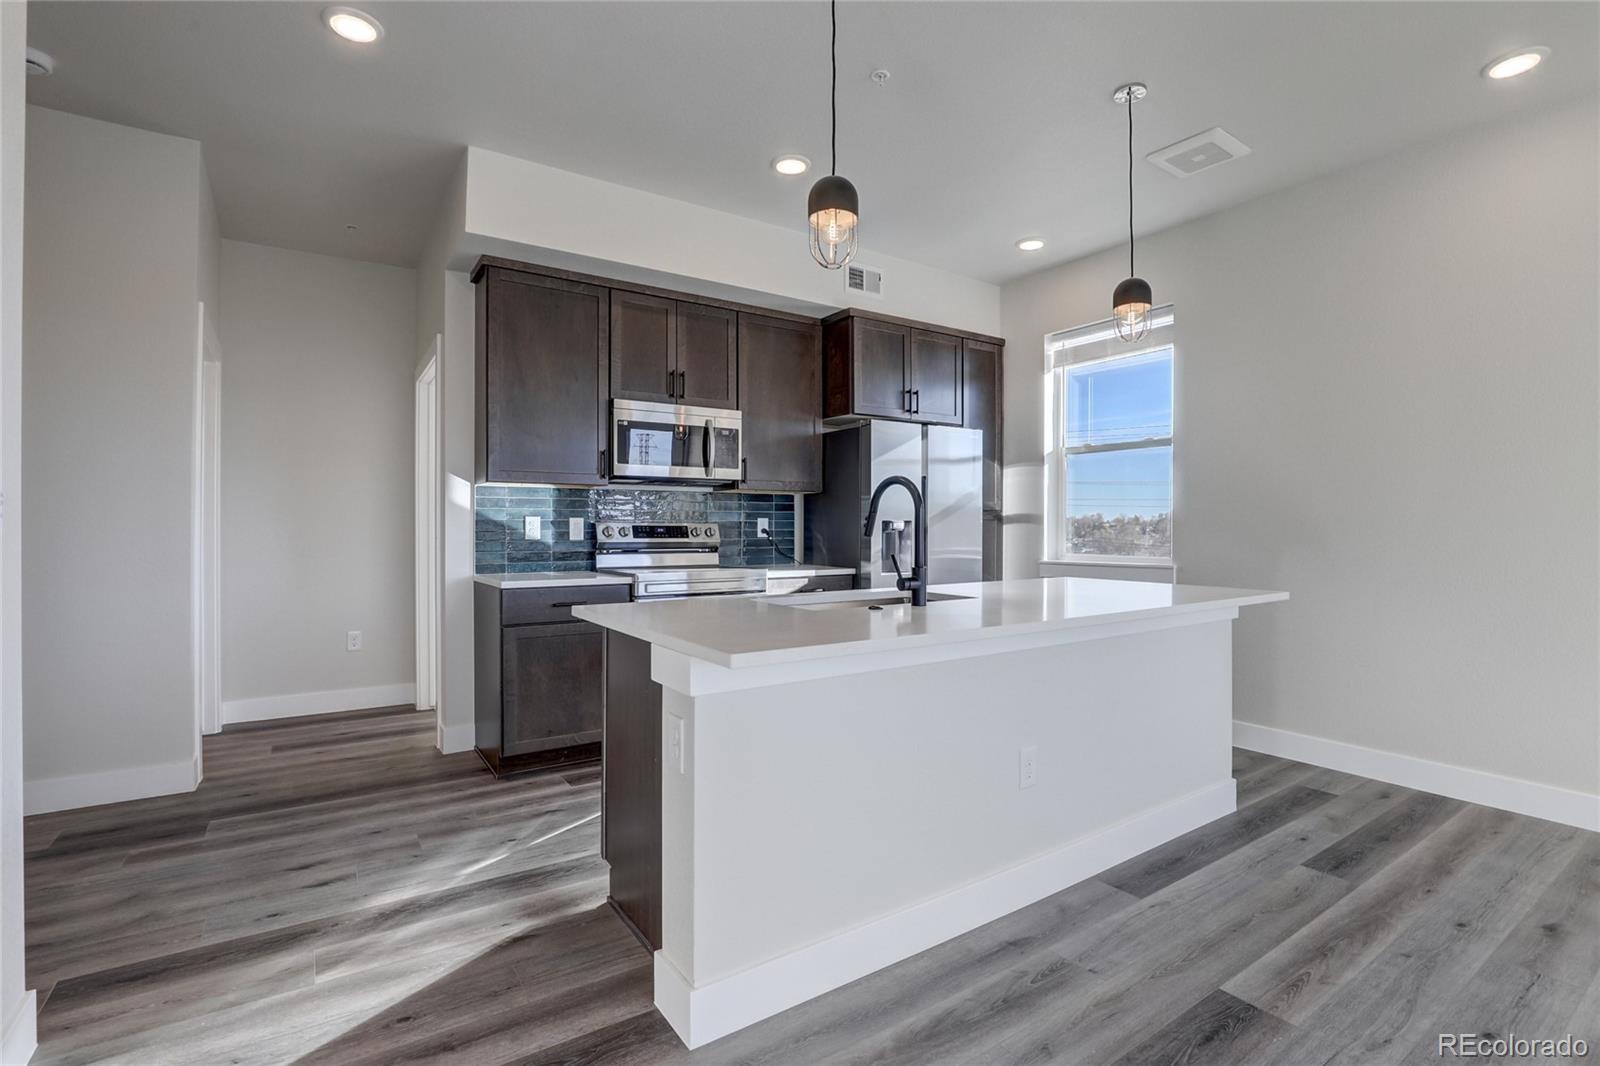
502 511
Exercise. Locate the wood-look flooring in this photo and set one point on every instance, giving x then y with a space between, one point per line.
337 892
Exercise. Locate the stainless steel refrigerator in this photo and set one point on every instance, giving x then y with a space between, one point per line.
946 461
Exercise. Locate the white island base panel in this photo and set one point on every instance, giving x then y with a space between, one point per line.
824 819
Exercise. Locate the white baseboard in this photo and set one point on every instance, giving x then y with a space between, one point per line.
295 704
702 1014
457 737
20 1037
45 794
1554 804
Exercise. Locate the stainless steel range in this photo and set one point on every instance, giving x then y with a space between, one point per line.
673 560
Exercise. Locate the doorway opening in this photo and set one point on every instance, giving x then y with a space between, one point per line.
427 535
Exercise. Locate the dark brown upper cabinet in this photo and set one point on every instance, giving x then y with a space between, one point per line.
644 347
935 379
780 397
672 351
708 356
886 368
980 407
543 385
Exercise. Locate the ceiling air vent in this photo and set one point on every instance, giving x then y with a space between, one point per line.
868 281
1201 152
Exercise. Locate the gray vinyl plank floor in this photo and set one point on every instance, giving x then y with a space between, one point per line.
337 892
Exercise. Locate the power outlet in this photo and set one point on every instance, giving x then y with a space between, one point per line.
352 640
574 529
530 527
1028 766
675 756
763 528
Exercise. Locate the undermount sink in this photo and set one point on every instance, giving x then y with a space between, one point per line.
891 599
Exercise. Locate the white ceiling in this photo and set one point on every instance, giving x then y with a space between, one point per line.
995 124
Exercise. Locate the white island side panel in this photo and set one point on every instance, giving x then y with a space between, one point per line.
818 825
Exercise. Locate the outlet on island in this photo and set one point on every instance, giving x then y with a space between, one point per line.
352 640
1028 766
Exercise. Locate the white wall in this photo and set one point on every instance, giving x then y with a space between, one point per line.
17 1031
317 482
112 276
1386 405
566 219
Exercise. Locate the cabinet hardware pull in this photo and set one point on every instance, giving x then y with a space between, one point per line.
602 462
744 469
905 400
683 384
916 401
574 603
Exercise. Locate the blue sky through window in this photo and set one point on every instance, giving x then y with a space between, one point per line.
1118 401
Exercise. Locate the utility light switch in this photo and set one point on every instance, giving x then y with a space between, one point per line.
530 527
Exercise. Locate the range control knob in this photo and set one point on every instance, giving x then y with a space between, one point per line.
694 531
624 531
711 531
606 531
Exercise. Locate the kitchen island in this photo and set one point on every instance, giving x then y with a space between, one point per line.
820 786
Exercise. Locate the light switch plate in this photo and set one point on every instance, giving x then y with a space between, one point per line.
530 527
574 529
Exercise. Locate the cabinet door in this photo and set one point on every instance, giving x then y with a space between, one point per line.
708 356
780 396
542 379
552 686
644 347
935 378
980 409
880 356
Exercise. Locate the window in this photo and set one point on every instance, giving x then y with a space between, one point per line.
1112 454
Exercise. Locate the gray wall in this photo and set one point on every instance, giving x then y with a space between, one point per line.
112 278
317 464
16 1002
1386 404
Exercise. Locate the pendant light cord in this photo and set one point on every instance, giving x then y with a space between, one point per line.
1130 182
833 92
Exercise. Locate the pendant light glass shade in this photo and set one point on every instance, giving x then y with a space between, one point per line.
1132 300
833 209
1130 309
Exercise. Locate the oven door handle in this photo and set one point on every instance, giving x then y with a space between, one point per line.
705 448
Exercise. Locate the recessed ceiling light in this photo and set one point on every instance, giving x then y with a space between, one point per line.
40 64
1519 62
1030 244
353 25
791 164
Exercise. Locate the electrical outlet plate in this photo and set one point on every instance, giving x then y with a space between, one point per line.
530 527
763 528
675 756
1028 766
352 640
574 529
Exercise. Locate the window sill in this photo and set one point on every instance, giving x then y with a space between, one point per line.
1136 564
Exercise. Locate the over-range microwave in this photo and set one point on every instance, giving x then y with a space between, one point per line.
672 442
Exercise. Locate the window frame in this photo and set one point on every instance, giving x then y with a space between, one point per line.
1059 362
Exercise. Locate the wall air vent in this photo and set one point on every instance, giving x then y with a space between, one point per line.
868 281
1201 152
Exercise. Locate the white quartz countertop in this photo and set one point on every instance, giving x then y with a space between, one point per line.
553 580
760 631
806 570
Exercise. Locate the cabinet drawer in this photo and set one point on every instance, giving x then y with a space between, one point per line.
530 606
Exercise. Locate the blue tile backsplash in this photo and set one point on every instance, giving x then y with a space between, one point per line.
502 549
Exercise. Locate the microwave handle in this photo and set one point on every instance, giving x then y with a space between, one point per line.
705 448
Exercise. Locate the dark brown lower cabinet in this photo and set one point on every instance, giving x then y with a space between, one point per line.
540 676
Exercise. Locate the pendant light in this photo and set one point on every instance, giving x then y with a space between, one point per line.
833 208
1131 302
